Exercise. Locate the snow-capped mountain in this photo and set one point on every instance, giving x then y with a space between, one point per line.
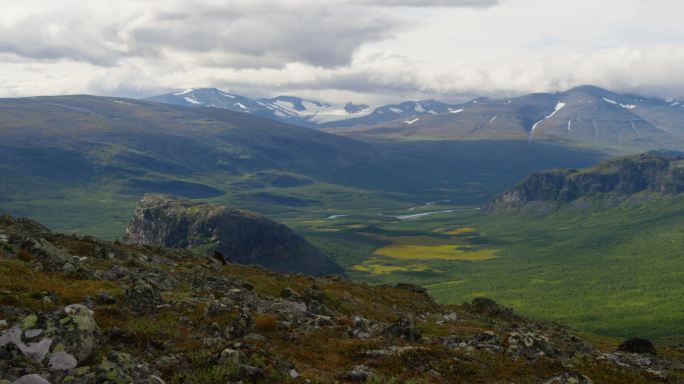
408 112
291 109
310 113
586 116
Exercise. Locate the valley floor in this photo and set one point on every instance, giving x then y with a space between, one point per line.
616 270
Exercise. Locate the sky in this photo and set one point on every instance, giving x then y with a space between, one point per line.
341 50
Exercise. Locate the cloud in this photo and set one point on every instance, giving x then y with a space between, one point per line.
427 3
338 49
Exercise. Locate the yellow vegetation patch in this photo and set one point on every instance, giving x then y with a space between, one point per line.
435 252
459 231
377 267
432 248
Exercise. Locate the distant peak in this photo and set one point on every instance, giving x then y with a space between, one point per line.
355 108
589 89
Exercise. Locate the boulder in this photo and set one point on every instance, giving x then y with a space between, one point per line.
489 307
637 345
531 346
143 297
358 373
59 340
240 326
31 379
403 328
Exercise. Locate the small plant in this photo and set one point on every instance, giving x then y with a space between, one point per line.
266 322
25 256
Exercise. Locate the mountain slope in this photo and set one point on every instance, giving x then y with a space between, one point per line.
583 116
233 235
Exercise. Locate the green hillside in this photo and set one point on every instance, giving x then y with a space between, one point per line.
80 163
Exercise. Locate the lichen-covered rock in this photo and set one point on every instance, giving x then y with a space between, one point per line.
237 236
240 326
569 378
59 340
115 368
48 257
531 346
143 297
487 341
358 373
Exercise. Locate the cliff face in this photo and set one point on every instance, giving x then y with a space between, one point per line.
623 176
237 236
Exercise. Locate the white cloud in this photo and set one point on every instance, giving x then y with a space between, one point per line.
361 49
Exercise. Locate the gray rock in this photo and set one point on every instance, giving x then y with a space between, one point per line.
36 351
240 326
569 378
50 257
31 379
358 373
143 297
31 333
359 329
531 346
62 361
289 293
230 357
403 328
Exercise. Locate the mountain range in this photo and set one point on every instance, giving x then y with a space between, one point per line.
295 110
582 116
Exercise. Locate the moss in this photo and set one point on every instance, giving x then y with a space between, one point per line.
29 322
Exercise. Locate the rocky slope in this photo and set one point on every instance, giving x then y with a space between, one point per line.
228 234
80 310
654 172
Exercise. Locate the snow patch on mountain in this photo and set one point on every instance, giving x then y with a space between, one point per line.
192 100
560 105
184 92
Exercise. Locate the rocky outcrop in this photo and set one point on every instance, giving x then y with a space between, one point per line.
623 176
226 233
58 347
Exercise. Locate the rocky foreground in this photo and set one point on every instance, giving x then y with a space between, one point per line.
81 310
